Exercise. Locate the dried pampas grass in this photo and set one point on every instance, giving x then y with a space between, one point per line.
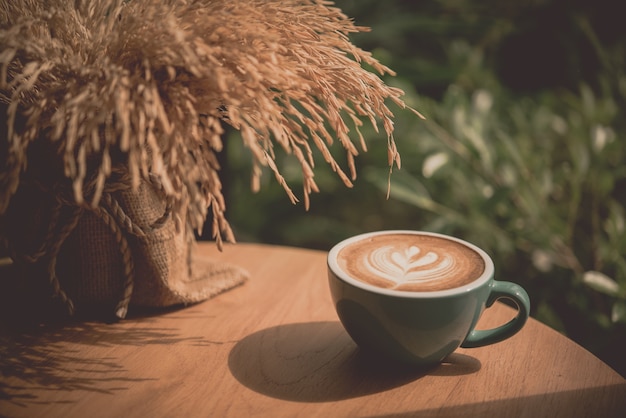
145 86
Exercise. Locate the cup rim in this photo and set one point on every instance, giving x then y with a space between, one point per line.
486 275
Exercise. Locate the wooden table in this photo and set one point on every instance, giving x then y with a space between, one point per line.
274 347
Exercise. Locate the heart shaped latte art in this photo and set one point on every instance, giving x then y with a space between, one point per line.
408 265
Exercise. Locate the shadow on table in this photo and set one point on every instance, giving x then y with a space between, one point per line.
318 362
39 359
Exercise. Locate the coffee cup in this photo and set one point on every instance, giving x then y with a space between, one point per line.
415 297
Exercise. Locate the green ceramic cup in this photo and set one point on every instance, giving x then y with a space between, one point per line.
419 327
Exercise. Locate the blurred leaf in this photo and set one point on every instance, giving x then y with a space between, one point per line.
408 189
543 260
601 283
433 163
618 314
404 187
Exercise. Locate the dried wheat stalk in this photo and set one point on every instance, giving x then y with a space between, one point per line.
149 83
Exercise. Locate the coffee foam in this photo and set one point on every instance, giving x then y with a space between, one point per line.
411 262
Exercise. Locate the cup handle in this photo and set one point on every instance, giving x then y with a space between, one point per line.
501 290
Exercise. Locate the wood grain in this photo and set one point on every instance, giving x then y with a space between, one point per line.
274 347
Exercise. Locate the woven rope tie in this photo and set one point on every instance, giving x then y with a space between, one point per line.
65 232
121 308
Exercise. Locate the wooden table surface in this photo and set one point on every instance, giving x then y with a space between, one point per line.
274 347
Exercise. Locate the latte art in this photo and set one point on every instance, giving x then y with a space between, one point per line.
411 262
408 266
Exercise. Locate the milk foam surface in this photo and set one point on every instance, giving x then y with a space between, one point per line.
411 262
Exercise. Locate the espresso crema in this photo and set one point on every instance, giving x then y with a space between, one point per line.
411 262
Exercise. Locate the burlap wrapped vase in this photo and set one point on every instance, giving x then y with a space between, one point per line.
127 251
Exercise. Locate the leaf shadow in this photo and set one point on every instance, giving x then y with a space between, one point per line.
35 359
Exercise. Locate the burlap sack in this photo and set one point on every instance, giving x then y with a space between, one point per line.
126 252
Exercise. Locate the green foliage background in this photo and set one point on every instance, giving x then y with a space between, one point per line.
521 153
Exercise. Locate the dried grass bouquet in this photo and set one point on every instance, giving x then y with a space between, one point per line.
104 99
